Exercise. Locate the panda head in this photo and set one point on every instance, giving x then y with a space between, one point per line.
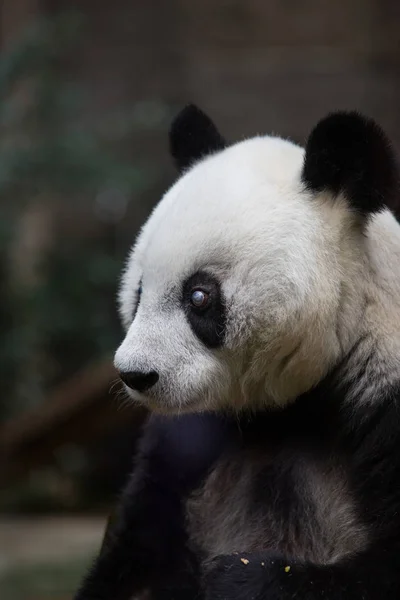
244 287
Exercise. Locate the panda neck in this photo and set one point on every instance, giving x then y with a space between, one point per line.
371 366
362 349
359 340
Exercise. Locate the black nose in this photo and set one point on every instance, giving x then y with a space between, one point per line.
138 380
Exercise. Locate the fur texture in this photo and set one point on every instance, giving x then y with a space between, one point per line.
350 154
295 491
147 545
192 136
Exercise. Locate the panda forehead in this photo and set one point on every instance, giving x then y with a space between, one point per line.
222 199
177 249
223 214
233 175
165 266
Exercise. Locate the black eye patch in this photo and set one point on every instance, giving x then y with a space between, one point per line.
209 319
137 299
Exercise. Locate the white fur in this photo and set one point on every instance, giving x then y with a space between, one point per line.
295 271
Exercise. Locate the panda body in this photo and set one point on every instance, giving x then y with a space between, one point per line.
261 305
297 503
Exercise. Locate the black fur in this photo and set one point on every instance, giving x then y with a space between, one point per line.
350 154
369 576
146 546
321 426
136 301
193 136
151 548
208 323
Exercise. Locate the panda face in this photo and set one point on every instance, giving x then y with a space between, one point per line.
232 265
233 295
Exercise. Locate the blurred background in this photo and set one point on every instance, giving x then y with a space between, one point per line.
87 90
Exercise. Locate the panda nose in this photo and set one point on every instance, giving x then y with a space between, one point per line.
139 381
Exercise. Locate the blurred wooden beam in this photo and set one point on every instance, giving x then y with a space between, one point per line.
78 411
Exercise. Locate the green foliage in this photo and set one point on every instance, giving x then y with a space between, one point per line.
50 153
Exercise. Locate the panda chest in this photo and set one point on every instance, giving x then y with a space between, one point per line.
221 516
300 509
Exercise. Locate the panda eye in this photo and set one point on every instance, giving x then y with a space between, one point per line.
203 303
137 300
199 298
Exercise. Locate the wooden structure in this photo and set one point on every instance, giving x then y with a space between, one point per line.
78 411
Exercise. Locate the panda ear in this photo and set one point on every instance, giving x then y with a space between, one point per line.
350 154
193 136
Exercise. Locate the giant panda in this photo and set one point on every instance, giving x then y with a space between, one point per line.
261 305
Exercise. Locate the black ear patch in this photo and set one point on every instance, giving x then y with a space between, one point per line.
193 136
350 154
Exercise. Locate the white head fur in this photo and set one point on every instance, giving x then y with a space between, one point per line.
288 256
